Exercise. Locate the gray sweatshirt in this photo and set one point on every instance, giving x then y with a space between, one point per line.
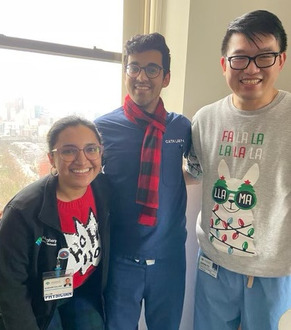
244 156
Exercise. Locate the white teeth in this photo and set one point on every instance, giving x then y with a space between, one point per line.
250 81
81 171
141 87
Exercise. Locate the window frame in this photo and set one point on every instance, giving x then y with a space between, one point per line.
50 48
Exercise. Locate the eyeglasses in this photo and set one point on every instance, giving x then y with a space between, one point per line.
241 62
151 70
243 199
71 153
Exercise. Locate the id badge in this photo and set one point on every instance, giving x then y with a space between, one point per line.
208 266
58 287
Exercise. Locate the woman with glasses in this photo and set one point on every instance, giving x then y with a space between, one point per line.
54 231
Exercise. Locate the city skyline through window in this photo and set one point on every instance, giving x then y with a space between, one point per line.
37 89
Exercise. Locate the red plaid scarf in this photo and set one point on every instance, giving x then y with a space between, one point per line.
150 160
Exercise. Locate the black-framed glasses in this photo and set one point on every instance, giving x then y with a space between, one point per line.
71 153
151 70
262 61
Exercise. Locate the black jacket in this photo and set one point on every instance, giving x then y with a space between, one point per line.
30 215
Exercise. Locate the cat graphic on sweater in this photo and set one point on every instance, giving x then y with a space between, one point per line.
231 224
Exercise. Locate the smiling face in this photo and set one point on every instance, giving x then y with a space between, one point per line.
253 88
75 176
143 91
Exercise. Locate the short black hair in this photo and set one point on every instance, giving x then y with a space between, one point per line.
253 24
144 42
65 122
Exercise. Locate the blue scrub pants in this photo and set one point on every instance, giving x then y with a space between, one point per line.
225 302
161 285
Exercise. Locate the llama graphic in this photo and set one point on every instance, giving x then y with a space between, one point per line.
231 224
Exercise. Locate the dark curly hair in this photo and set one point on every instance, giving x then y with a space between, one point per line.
143 42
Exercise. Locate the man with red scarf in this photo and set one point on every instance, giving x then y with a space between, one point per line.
144 147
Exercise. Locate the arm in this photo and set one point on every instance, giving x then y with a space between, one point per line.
191 168
189 179
15 257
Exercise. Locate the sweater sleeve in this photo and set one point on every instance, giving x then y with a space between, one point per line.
192 165
15 251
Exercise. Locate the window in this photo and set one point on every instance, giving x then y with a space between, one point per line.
51 66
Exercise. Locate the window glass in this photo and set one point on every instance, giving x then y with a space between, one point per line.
85 23
36 89
58 85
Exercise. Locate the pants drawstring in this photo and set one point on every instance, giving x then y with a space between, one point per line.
250 281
